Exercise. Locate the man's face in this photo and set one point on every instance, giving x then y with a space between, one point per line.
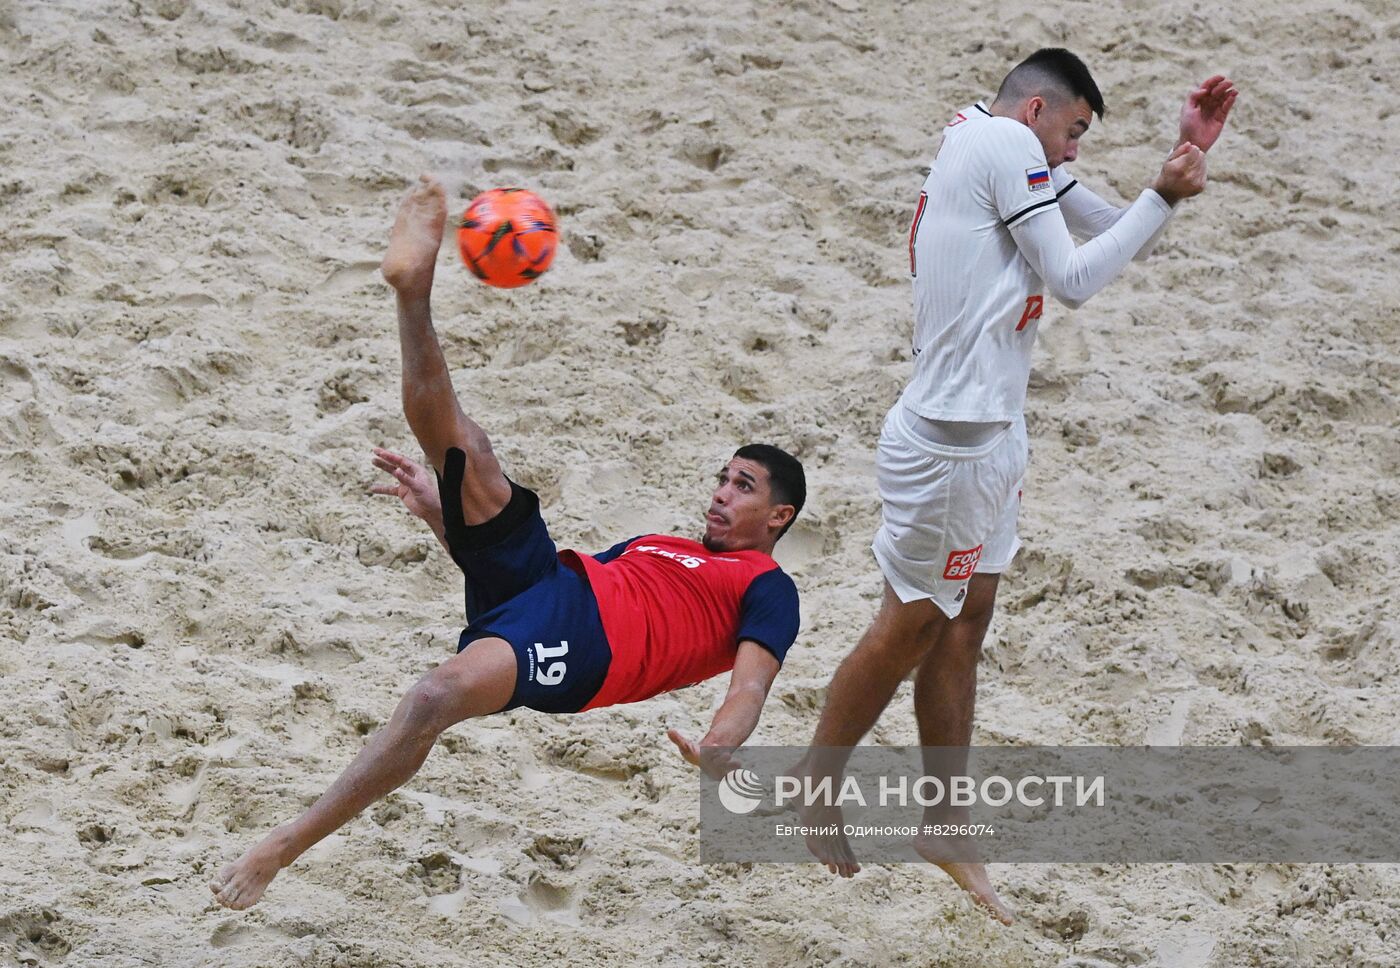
1058 125
742 510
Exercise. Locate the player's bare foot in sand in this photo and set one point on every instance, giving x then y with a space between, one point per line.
241 884
829 845
971 876
415 238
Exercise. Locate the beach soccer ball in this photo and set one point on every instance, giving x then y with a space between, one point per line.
507 237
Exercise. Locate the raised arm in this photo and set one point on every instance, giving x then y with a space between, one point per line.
1074 274
734 722
1203 117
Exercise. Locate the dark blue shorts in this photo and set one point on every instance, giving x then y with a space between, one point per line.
518 591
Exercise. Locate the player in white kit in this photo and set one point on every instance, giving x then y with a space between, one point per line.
991 234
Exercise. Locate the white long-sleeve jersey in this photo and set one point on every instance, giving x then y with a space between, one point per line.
991 233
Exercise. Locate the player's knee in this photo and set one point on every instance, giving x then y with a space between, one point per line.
965 645
485 489
900 649
430 704
964 634
472 441
477 445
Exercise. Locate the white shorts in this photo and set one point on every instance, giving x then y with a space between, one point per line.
949 512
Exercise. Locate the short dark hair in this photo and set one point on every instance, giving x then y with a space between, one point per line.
786 478
1056 66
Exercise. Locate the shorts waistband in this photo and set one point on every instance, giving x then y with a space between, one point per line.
900 417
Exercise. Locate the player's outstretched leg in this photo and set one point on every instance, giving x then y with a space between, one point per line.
945 691
429 401
477 681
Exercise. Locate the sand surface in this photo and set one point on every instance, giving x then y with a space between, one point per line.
202 613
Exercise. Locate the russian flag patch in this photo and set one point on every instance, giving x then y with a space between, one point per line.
1037 178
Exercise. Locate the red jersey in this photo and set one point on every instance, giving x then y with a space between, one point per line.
674 612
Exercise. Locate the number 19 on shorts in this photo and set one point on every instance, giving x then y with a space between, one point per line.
548 673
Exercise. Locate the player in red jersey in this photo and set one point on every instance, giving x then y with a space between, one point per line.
549 630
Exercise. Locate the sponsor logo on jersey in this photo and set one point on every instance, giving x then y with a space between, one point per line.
961 564
1035 305
690 561
1037 179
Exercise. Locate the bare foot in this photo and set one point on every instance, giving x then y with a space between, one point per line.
415 239
829 845
241 884
970 876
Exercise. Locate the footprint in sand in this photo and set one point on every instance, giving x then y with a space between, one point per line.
313 653
572 129
564 852
16 383
604 762
346 387
231 933
1167 532
803 699
436 873
541 898
96 835
646 331
31 936
703 152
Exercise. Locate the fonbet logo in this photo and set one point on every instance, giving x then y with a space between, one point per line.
741 791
